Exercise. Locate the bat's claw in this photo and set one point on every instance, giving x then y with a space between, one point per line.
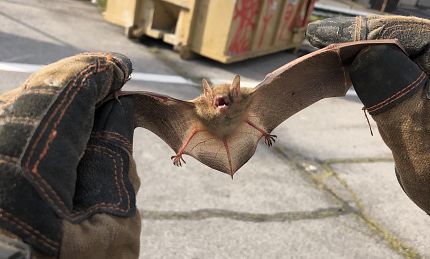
269 139
177 160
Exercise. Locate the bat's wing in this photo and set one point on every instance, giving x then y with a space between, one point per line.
304 81
171 119
284 92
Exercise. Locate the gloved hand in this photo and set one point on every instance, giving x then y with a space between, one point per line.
413 33
67 177
394 88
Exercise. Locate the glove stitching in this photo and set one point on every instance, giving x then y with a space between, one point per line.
96 148
111 59
99 68
84 74
398 95
357 31
75 216
61 108
106 135
105 90
24 227
114 140
105 151
124 139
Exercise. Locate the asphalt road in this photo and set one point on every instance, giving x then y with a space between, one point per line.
327 189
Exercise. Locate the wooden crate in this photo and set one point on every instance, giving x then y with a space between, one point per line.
169 20
230 31
124 13
223 30
164 19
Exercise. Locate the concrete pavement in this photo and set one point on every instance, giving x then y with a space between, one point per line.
327 189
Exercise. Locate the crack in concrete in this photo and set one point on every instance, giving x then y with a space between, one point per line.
322 171
359 160
203 214
393 242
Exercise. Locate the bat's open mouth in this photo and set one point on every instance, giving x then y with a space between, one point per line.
222 103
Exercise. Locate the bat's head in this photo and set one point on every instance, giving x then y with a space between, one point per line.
224 97
222 107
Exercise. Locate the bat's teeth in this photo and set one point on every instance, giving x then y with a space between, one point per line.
221 102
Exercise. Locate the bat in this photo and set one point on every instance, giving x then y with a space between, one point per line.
222 127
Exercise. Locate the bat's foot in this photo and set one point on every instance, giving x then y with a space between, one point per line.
177 160
269 139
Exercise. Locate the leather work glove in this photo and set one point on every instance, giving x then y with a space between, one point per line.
68 181
394 88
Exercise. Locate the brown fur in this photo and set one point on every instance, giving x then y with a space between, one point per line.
220 123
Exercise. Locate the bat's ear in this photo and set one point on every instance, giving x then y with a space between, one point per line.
235 86
207 89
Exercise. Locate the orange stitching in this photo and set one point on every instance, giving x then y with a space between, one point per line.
57 122
398 94
109 58
76 215
60 107
34 233
122 175
100 149
108 138
68 89
116 136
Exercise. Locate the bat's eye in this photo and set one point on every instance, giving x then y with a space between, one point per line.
221 102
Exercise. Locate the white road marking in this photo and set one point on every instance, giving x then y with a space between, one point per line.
137 76
18 67
160 78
